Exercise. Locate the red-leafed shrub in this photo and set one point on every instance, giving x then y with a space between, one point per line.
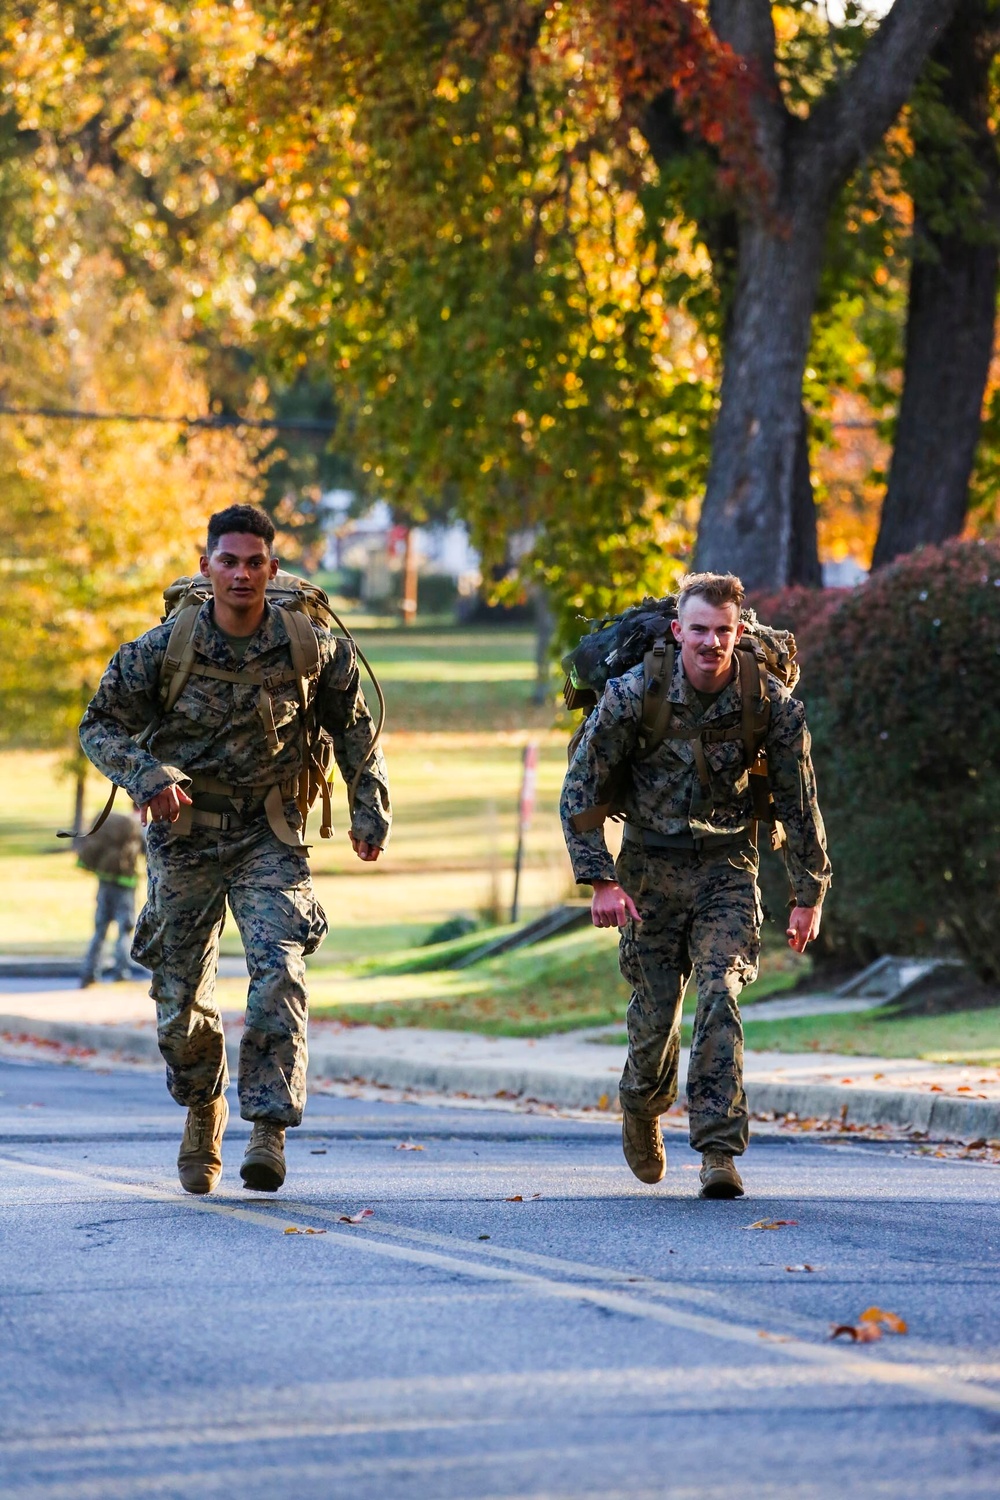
902 685
800 610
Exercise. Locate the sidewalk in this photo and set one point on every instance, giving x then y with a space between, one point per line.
570 1071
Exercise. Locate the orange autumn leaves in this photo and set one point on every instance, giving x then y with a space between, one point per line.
870 1326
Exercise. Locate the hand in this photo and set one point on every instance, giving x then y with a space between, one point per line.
166 806
803 927
368 852
611 906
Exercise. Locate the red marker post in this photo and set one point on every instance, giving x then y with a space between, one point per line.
526 807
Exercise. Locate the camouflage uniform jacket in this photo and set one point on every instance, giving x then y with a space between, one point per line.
215 728
665 793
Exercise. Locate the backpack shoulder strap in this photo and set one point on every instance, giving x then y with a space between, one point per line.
303 642
755 704
178 659
305 659
755 722
657 709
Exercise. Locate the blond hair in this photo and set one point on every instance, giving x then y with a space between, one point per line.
715 588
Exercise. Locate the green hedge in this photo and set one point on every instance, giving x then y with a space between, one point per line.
901 680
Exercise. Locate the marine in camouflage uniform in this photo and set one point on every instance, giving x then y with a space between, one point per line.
689 863
218 735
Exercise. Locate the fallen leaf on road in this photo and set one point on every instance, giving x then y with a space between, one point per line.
536 1195
305 1231
936 1088
358 1218
409 1146
517 1198
771 1224
890 1321
869 1327
804 1267
484 1236
603 1102
774 1338
862 1333
318 1151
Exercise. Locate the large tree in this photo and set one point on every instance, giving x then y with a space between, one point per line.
507 263
955 177
747 517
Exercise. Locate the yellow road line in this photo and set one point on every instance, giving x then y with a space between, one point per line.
901 1376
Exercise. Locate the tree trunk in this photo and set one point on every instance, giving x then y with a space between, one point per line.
952 309
408 603
759 454
78 796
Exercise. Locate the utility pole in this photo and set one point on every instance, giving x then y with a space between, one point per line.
526 806
409 600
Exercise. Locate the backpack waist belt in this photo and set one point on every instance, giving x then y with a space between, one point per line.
682 842
272 795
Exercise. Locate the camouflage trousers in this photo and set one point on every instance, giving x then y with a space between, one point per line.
700 913
271 896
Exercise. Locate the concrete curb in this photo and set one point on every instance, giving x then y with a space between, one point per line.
130 1043
940 1115
937 1114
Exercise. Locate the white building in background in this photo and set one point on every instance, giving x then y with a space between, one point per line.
374 545
843 574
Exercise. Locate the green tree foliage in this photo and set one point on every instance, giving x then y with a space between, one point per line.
497 277
109 224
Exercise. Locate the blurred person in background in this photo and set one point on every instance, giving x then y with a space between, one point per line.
112 854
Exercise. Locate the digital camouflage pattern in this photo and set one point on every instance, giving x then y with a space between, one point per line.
216 728
700 913
700 906
217 731
271 896
665 795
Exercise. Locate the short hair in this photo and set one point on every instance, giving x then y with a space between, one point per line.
715 588
248 519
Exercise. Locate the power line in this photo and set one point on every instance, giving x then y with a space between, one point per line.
269 424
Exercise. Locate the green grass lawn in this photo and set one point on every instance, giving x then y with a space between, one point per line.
968 1036
458 680
569 982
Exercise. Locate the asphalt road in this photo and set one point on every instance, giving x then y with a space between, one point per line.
602 1339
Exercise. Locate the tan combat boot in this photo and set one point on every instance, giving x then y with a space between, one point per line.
642 1143
719 1177
199 1161
263 1166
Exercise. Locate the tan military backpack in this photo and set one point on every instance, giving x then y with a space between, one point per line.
642 634
303 605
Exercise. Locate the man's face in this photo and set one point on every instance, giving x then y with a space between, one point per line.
707 634
239 568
